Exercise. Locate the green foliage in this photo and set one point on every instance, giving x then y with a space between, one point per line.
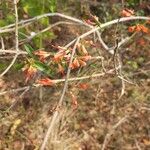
34 7
133 64
6 16
52 6
42 67
18 66
29 8
2 66
29 49
132 3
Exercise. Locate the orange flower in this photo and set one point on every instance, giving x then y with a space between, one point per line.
75 64
58 56
90 42
29 72
60 69
42 54
82 63
138 28
67 57
131 29
144 29
59 48
85 58
127 12
46 82
83 86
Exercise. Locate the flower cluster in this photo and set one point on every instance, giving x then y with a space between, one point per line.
57 62
138 28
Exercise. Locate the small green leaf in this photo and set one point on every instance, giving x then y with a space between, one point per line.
18 66
29 50
42 67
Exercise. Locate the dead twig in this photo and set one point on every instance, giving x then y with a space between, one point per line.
111 132
59 81
16 42
137 145
56 114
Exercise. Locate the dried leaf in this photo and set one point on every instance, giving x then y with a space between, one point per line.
82 63
83 49
85 58
29 71
83 86
127 12
60 69
75 64
42 54
146 142
59 56
14 126
131 29
74 101
138 28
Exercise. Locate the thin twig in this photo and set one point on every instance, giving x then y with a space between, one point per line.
59 81
16 100
26 22
56 114
46 29
14 90
111 132
10 51
29 21
10 65
2 43
16 42
137 145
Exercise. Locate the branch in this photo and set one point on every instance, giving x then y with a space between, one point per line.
56 114
17 41
24 23
61 80
104 25
46 29
111 132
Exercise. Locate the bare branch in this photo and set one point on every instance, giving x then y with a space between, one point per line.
61 80
17 41
111 132
56 114
46 29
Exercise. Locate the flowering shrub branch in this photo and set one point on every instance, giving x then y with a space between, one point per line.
73 56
